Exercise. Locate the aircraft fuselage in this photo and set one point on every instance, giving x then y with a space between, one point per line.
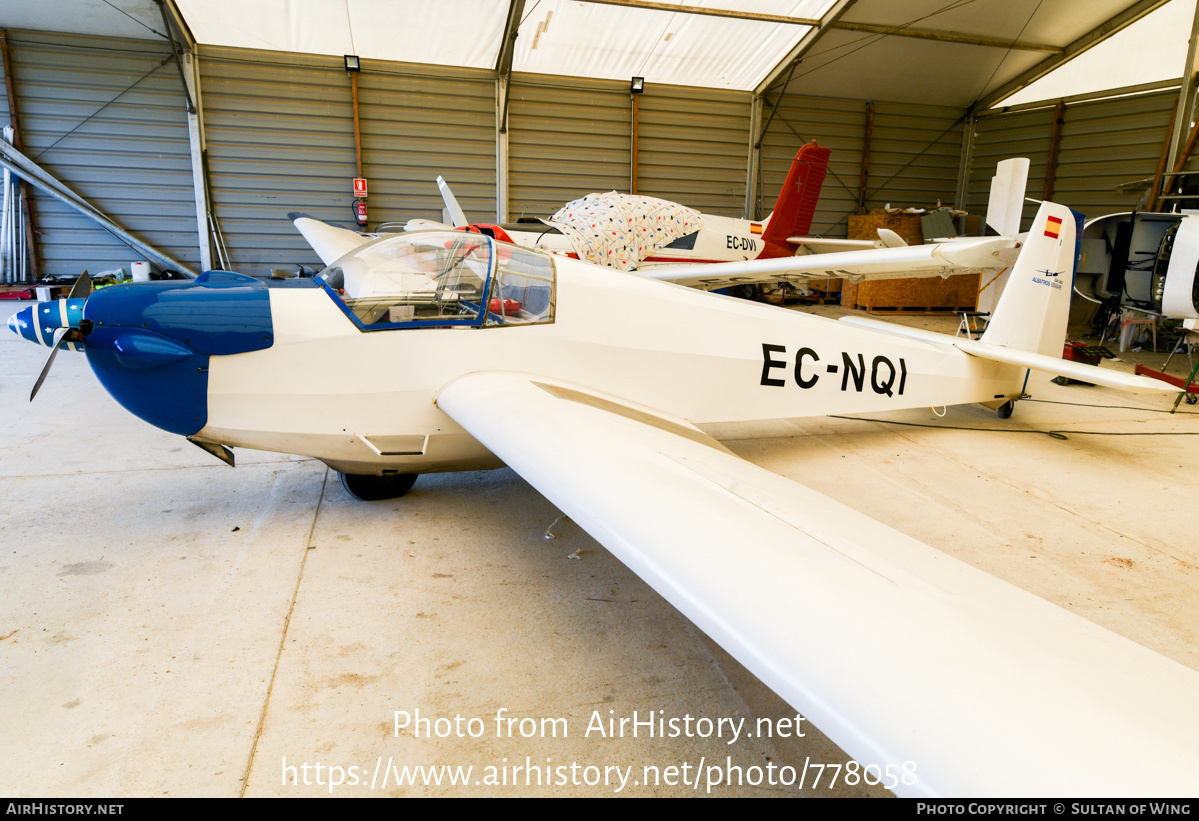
366 401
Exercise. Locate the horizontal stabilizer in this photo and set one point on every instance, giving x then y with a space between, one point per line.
1028 359
1063 367
823 245
419 224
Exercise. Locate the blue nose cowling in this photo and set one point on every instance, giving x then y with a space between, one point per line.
150 343
39 323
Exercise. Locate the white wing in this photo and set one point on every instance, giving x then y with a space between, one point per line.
959 683
330 242
944 258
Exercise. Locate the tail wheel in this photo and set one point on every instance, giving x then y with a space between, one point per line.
374 488
1005 410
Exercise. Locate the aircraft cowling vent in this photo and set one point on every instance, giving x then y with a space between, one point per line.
1177 292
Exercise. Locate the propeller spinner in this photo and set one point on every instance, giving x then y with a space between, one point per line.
54 323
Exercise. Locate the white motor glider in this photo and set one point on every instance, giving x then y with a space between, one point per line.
596 386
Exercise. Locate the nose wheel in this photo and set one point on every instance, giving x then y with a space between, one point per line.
1005 410
373 488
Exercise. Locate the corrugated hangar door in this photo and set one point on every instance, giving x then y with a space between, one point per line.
692 147
280 138
1003 136
567 137
913 157
1107 147
1109 150
107 117
838 125
571 136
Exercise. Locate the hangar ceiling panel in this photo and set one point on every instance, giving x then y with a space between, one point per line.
938 51
616 43
871 67
563 37
453 33
965 52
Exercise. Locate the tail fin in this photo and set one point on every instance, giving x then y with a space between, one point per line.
796 205
452 208
1035 304
1006 200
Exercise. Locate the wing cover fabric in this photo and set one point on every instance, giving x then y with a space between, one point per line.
620 230
945 259
900 654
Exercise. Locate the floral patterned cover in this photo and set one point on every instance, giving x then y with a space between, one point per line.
621 230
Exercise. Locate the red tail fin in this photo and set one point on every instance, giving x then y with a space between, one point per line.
797 201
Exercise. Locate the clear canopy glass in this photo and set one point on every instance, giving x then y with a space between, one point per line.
443 278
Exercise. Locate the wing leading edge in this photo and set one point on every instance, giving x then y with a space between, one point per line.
965 256
904 656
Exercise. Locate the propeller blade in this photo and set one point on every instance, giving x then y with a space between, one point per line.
82 288
68 335
451 204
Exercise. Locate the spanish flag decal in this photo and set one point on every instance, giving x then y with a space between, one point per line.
755 228
1053 227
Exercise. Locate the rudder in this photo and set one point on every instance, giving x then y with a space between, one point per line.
796 205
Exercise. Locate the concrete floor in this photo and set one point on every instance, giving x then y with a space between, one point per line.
171 626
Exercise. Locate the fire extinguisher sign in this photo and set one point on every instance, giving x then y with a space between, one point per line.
359 187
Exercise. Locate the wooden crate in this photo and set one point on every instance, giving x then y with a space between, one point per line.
865 226
911 295
918 295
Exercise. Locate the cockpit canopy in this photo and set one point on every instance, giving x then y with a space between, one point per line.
443 278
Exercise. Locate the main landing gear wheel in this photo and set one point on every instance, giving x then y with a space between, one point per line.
374 488
1005 410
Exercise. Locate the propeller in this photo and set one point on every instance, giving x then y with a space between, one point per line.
64 336
82 289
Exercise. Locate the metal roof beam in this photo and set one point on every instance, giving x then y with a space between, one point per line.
176 17
898 31
948 37
728 13
503 70
1092 38
503 64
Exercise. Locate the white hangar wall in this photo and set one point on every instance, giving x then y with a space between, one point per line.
913 156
